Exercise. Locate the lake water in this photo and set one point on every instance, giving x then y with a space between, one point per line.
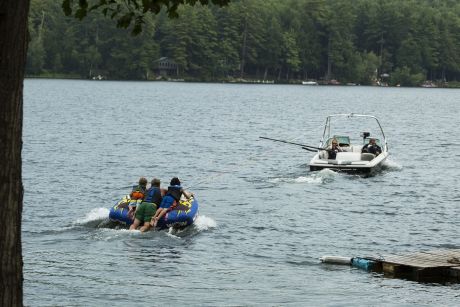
265 219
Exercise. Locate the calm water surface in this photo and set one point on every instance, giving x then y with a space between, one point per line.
265 219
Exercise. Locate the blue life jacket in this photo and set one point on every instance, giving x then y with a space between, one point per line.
153 195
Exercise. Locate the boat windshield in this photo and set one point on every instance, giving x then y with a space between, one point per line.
351 129
342 140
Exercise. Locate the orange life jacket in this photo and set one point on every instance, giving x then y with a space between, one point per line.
138 192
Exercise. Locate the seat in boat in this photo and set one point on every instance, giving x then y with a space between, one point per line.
348 156
324 155
367 156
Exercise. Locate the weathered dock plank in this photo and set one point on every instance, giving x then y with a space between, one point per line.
426 266
455 273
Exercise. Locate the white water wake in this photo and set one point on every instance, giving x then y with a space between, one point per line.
313 178
203 222
391 165
94 217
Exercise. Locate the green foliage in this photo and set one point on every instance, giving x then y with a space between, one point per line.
352 41
405 77
367 69
291 52
128 11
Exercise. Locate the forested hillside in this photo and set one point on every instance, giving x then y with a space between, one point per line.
360 41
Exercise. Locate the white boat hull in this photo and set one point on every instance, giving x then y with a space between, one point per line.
309 83
348 163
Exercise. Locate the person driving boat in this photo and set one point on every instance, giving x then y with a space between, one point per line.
372 147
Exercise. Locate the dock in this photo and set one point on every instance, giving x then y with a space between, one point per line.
437 266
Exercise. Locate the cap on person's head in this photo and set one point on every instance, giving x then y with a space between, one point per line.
175 181
143 181
155 182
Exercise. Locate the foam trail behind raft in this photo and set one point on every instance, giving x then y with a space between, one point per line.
96 215
203 222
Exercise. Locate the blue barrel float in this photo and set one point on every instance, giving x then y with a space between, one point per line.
363 263
182 215
367 264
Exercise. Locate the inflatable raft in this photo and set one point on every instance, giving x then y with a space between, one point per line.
184 214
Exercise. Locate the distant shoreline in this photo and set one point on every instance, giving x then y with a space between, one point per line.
451 85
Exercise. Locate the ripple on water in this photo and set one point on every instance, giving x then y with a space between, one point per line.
265 219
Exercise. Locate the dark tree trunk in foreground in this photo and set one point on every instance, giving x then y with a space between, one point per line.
13 46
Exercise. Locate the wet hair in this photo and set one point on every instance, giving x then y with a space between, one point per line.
175 181
143 181
155 182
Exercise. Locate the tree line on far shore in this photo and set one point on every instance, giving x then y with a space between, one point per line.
360 41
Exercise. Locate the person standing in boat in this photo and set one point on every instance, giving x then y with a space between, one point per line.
171 199
333 149
372 148
147 208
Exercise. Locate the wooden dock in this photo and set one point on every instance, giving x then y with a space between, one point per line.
440 266
428 266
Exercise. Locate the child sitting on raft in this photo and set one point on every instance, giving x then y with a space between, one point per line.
136 195
170 200
147 208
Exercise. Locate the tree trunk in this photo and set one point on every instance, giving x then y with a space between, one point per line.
13 47
243 48
329 59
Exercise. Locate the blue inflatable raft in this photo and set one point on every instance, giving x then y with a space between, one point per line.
184 214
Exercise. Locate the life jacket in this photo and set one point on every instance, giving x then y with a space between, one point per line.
153 195
138 192
332 153
175 191
373 149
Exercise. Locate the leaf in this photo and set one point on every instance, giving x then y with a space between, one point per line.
125 20
138 25
172 11
135 4
97 6
136 30
83 4
66 7
81 13
114 14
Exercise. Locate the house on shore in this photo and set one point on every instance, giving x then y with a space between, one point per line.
166 67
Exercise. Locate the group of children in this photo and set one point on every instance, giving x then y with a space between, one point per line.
148 206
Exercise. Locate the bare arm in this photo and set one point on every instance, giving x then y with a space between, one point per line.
187 194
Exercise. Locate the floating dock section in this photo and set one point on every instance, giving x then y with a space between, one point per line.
438 266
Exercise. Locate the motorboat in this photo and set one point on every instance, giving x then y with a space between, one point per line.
309 83
351 158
